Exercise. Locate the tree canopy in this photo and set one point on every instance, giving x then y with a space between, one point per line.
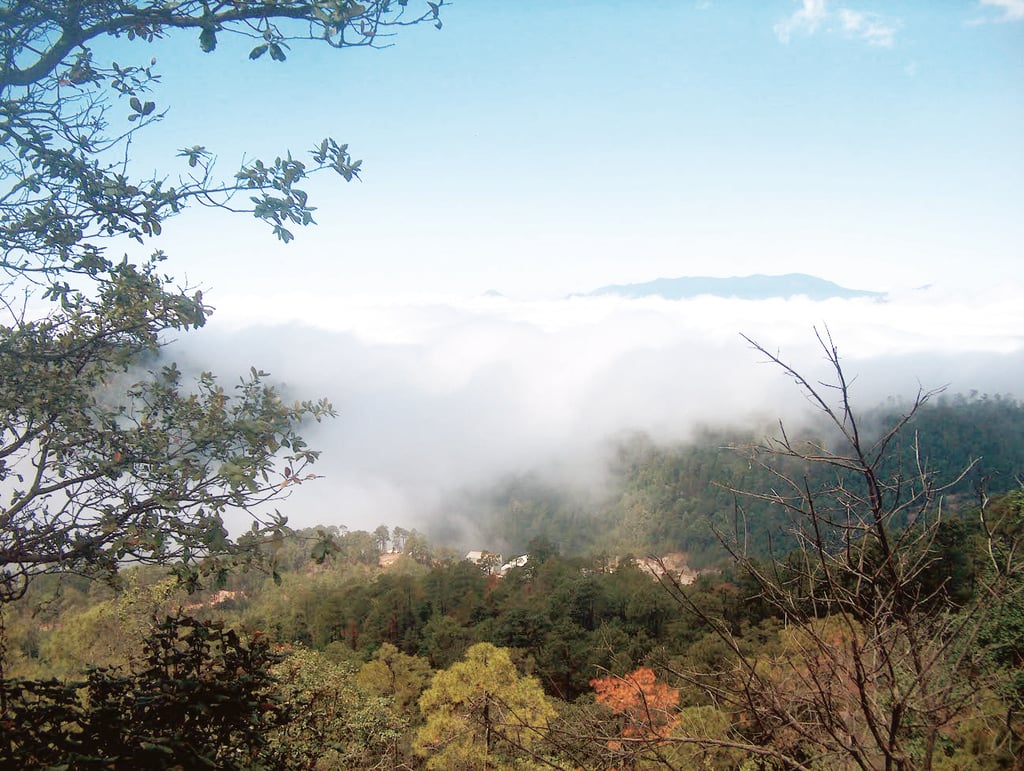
107 452
479 708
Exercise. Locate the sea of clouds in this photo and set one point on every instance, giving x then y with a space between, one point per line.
437 395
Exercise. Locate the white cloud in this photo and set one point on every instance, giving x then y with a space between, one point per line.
436 396
813 15
869 27
807 20
1011 10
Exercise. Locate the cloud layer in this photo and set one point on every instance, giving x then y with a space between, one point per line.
438 396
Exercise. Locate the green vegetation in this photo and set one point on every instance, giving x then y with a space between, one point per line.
199 695
596 663
682 498
480 712
105 456
855 611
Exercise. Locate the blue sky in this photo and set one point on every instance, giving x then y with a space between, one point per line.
544 148
541 148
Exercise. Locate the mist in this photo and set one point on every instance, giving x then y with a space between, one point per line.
437 396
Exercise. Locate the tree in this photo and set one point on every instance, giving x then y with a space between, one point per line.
480 713
398 536
110 633
396 675
877 668
200 697
382 535
94 478
95 473
444 640
648 707
418 548
67 180
334 722
648 713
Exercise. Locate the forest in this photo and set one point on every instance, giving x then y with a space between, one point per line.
386 649
664 499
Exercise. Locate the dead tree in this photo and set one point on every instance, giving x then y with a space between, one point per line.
874 665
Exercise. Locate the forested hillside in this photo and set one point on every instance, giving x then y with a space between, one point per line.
381 636
680 498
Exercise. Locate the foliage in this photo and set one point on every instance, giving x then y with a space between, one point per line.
67 119
109 454
102 461
949 430
648 714
567 622
708 740
663 498
877 666
201 696
480 713
395 675
110 633
94 477
334 723
648 707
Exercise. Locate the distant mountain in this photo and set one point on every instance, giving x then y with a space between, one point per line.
757 287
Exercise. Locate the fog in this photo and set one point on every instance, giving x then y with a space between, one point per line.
438 395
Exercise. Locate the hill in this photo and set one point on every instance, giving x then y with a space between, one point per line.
661 499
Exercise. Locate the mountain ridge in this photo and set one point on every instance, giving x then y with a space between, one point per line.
757 286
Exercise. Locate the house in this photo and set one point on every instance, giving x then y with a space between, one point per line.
487 561
518 562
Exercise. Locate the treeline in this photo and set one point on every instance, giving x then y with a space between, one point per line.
683 498
568 616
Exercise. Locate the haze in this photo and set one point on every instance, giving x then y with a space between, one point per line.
544 149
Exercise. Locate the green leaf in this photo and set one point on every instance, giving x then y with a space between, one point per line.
319 552
207 39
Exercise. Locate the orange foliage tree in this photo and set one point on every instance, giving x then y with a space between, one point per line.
648 707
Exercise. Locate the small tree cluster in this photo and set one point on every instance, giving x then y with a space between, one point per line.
200 697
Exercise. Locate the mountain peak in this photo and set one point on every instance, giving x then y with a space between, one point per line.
754 287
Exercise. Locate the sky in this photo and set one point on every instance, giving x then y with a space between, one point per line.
531 151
